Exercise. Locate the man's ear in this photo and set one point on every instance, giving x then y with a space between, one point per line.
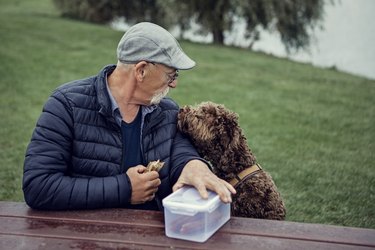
140 70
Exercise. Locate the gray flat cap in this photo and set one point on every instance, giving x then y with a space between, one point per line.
150 42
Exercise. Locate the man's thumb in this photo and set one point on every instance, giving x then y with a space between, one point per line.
177 186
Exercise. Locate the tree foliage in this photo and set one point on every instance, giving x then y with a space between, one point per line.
97 11
292 19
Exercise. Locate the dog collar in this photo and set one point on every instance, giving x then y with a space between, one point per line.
244 174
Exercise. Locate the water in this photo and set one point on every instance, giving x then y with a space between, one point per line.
346 43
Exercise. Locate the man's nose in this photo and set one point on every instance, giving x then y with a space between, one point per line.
173 84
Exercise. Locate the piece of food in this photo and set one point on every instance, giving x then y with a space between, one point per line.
154 166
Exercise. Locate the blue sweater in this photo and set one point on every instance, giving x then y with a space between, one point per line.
74 159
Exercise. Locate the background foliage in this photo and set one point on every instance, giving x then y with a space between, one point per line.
292 19
311 128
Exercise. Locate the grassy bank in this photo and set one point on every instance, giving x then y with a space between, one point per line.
312 129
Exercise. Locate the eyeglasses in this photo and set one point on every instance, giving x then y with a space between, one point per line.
170 78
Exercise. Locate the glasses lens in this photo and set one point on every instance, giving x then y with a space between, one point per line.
172 78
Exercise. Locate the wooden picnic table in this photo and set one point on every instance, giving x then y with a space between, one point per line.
25 228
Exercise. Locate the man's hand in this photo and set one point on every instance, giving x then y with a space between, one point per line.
196 173
144 185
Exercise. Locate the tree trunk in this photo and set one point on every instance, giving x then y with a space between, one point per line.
218 35
218 23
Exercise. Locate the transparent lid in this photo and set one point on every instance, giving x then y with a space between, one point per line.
189 198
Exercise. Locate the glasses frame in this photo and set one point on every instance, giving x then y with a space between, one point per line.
170 78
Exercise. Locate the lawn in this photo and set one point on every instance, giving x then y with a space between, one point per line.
312 129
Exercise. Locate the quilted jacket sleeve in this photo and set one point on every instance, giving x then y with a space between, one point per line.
46 183
183 152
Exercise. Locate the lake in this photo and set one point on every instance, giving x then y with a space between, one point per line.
347 41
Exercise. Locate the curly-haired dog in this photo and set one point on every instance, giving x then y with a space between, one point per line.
215 132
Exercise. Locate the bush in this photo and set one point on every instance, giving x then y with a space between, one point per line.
97 11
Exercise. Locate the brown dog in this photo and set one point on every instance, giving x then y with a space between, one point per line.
215 133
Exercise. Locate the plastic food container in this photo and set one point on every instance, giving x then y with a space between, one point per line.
189 217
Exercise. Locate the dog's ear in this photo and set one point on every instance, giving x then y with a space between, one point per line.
232 117
185 109
208 109
226 117
229 128
182 116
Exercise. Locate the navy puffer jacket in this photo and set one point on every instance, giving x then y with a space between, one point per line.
74 159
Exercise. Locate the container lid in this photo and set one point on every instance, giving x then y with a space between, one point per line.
188 198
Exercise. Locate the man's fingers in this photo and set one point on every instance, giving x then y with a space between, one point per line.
196 173
202 190
140 168
155 183
151 175
222 188
144 184
177 186
150 197
230 187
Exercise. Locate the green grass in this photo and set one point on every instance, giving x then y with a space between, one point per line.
312 129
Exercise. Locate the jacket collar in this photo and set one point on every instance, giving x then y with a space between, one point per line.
102 93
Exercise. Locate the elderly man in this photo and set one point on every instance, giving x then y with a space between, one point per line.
96 135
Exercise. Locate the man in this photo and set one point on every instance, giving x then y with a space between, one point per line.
95 136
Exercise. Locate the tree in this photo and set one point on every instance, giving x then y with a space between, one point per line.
97 11
292 19
103 11
213 16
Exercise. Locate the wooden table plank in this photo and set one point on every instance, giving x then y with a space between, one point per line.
116 228
302 231
120 216
67 234
39 243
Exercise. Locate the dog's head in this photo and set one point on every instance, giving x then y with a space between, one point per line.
211 127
